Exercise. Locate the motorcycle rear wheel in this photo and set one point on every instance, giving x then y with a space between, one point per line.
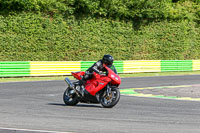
70 98
112 100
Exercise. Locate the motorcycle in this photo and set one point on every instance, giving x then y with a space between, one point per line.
101 88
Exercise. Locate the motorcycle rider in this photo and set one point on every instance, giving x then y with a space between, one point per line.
98 68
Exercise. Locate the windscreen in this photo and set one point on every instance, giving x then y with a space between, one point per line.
112 67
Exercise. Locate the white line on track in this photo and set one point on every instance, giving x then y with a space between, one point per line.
28 81
31 130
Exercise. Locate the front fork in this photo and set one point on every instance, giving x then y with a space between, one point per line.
108 90
105 93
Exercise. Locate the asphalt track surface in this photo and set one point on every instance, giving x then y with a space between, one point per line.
37 107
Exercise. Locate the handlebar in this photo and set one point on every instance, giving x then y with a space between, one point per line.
100 73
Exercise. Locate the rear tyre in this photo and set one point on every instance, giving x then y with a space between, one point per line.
70 97
109 101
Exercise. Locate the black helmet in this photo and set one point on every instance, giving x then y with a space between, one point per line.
108 59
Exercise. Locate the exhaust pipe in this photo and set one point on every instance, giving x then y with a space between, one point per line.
69 83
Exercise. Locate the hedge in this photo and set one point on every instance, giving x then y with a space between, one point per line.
74 30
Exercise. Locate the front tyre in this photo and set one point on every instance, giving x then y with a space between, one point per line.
70 97
110 100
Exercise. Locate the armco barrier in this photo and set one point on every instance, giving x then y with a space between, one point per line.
43 68
50 68
141 66
14 69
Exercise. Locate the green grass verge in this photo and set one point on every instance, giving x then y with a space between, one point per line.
21 79
18 79
160 74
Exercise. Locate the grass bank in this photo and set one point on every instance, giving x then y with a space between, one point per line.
22 79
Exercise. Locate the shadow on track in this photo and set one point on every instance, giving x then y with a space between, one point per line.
78 105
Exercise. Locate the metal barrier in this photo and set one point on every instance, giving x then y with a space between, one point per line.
50 68
14 69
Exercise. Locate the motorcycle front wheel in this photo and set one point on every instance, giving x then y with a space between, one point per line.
110 100
70 97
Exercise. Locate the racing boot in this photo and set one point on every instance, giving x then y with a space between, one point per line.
82 82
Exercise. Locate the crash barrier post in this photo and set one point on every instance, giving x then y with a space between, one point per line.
51 68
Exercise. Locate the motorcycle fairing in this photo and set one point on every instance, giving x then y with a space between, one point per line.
98 82
95 85
78 75
114 77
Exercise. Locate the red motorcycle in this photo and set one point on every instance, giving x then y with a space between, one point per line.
101 88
